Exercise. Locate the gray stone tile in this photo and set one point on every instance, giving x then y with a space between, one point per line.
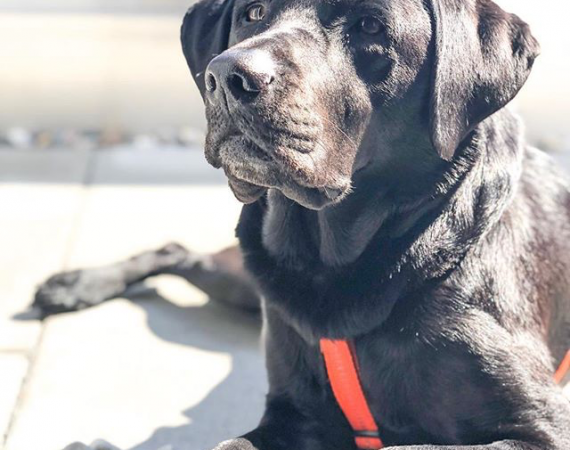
143 374
154 166
38 166
12 372
120 220
35 239
163 368
35 236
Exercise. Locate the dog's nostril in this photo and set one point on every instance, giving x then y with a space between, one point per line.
242 84
211 83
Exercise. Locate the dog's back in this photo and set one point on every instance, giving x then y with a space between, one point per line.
538 220
547 192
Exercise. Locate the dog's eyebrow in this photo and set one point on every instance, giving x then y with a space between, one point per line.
334 11
374 5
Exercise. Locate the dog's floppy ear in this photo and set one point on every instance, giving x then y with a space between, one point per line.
205 34
483 57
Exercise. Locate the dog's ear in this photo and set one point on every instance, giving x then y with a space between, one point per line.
205 34
483 57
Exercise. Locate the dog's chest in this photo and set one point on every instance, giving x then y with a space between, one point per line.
392 391
411 391
369 386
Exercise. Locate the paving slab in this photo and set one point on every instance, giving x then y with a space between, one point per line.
148 167
166 366
35 238
41 197
13 369
142 374
59 166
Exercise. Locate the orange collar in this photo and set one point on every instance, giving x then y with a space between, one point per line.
563 369
342 369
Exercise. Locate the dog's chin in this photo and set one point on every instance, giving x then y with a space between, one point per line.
313 198
310 198
251 172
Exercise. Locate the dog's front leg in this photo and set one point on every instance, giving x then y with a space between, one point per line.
219 275
549 430
79 289
285 427
501 445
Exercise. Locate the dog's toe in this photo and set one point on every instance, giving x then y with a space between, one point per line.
72 291
58 293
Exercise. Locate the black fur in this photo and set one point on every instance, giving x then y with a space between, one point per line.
392 200
446 260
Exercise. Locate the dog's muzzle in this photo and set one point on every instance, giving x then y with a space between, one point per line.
240 76
265 130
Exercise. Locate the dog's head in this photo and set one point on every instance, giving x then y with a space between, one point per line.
302 94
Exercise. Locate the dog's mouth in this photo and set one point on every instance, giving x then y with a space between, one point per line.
252 170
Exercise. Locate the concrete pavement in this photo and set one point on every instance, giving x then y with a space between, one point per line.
164 366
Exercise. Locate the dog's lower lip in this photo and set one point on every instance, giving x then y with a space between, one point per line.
244 191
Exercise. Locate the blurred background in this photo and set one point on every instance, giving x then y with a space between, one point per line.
115 67
101 132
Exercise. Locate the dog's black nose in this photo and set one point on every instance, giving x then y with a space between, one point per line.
242 75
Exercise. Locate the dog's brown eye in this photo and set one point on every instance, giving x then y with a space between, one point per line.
255 12
370 25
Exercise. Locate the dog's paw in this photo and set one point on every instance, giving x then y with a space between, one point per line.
236 444
75 290
172 254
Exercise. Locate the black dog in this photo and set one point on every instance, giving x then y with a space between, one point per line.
392 201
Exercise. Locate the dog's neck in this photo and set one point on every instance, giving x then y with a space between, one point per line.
341 233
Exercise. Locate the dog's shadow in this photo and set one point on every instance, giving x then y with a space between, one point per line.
236 404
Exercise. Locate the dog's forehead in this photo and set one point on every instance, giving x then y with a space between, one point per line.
397 9
406 18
